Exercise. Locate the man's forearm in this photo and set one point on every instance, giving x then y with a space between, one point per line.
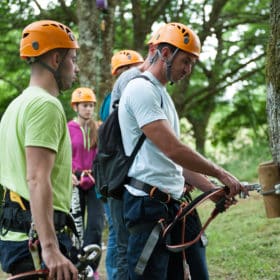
42 213
197 180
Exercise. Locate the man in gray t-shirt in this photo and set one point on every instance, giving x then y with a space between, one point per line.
196 255
145 107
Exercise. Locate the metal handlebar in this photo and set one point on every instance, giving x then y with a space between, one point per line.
90 253
258 188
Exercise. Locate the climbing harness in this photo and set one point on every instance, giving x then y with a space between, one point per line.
16 216
33 244
163 228
41 274
87 173
89 254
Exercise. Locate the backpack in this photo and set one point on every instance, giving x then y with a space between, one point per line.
105 107
111 165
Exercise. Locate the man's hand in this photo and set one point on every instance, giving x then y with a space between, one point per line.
229 201
60 268
235 187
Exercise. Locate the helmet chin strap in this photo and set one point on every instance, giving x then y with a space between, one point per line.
168 64
56 73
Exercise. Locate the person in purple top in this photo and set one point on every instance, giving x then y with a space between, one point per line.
83 134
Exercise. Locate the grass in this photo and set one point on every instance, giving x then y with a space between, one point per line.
243 243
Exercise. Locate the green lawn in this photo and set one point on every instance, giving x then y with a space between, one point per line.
243 243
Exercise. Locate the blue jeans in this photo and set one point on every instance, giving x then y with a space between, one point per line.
15 252
145 211
116 208
162 264
111 255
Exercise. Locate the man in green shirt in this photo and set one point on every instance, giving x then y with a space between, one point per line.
35 167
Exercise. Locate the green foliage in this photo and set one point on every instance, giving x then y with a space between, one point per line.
65 99
12 77
244 161
233 37
245 110
243 155
1 197
18 14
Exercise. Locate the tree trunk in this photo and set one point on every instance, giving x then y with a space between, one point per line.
199 118
96 37
273 81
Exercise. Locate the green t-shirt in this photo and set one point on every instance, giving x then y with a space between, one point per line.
36 118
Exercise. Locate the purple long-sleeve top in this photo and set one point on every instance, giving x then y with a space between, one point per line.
82 154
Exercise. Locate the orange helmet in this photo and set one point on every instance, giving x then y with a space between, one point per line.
123 58
83 94
152 40
178 35
42 36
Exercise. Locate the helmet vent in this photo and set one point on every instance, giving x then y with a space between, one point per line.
185 33
186 38
71 36
35 45
25 35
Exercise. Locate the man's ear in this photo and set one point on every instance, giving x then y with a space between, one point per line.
55 59
165 53
152 48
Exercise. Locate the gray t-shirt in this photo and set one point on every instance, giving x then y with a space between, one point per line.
143 102
121 83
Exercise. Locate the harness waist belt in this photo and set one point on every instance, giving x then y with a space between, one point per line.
20 221
15 218
152 191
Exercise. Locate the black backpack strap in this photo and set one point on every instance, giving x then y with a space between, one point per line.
115 103
144 77
137 147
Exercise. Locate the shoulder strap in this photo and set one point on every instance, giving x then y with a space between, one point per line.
116 102
137 147
143 77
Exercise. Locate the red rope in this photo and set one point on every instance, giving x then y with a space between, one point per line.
181 214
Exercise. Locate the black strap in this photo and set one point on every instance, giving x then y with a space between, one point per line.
116 102
152 191
136 148
14 218
148 249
